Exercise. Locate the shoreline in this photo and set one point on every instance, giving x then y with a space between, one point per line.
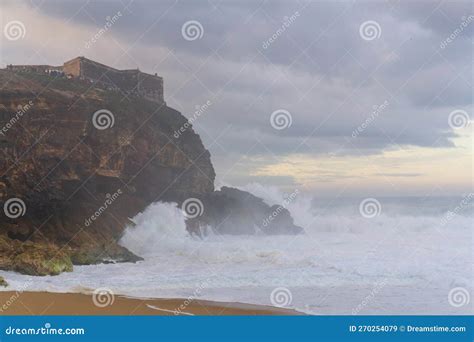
54 303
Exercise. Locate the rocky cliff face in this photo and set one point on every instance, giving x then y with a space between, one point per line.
76 162
69 180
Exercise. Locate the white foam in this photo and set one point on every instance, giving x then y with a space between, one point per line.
341 250
159 229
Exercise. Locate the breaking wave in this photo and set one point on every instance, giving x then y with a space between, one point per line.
411 244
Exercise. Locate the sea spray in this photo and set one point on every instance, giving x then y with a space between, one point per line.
339 258
160 227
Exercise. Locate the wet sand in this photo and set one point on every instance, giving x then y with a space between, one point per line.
48 303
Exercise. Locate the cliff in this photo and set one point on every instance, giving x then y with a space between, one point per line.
69 188
78 161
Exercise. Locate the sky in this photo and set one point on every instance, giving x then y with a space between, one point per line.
353 98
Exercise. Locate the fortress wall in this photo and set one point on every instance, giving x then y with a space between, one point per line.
95 71
72 67
125 80
128 81
151 86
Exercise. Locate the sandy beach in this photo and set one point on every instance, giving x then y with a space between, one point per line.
48 303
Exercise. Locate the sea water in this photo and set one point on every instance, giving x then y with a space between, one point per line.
406 257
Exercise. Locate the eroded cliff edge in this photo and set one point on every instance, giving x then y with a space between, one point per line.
66 170
71 180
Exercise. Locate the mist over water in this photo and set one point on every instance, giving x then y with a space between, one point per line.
410 247
159 229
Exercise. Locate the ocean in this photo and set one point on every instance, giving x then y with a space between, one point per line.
404 255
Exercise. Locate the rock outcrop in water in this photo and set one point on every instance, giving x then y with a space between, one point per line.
233 211
77 161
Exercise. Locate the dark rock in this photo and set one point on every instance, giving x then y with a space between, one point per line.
80 185
107 253
233 211
33 258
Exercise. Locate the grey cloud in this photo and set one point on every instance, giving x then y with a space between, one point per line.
320 55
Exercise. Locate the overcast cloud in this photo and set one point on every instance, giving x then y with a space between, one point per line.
319 69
